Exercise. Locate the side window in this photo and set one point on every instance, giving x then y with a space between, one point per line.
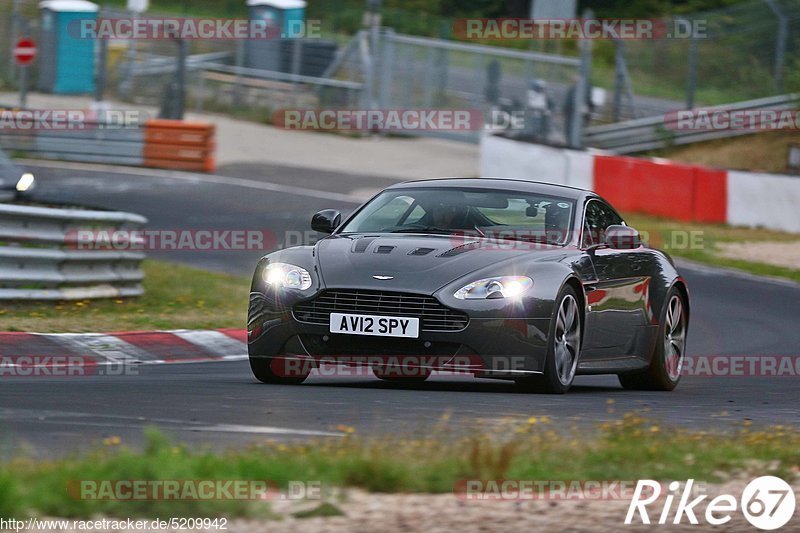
599 217
389 214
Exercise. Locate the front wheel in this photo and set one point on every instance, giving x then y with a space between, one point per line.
666 365
280 370
563 348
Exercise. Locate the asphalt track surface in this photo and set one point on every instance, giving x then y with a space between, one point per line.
220 404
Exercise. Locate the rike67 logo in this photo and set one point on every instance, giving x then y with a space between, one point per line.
767 502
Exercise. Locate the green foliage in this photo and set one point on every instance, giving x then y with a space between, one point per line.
630 447
9 495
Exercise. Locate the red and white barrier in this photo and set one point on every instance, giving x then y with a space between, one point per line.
653 186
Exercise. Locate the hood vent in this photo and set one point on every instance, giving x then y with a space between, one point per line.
421 251
384 249
460 249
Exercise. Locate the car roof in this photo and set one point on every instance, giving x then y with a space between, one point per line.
519 185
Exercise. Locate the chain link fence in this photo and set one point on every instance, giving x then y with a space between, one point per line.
750 50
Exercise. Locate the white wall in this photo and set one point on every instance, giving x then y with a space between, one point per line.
506 158
768 200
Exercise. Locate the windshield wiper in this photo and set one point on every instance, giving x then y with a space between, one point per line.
423 229
533 239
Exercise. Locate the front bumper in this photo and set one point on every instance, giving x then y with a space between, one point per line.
501 340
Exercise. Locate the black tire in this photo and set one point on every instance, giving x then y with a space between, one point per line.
664 372
264 369
556 377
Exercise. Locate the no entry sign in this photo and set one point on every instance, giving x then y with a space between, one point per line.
25 52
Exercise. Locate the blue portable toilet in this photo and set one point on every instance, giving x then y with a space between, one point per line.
66 60
285 19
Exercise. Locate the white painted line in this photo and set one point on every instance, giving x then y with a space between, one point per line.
265 430
193 177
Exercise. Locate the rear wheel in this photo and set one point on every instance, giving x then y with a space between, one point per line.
284 369
666 365
563 348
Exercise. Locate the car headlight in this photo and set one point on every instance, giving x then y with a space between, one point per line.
25 182
287 276
492 288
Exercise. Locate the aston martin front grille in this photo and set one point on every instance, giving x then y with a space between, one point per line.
433 315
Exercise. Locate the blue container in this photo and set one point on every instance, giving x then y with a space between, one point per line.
66 64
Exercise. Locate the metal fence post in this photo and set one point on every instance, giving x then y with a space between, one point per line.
102 65
13 35
619 78
780 43
387 69
691 78
582 94
183 51
237 86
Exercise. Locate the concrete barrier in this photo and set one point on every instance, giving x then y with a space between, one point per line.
768 200
512 159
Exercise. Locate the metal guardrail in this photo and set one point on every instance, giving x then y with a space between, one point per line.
37 261
97 143
660 131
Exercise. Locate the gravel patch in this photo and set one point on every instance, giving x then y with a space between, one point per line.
444 513
782 254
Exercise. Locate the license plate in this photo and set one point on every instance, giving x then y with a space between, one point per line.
380 326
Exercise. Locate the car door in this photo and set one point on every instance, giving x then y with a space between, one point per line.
618 298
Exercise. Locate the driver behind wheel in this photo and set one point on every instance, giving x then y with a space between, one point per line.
447 216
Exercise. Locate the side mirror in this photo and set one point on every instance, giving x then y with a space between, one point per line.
622 238
326 221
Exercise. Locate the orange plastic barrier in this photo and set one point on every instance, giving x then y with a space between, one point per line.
672 190
179 145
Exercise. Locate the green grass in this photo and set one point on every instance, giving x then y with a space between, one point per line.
628 449
764 151
176 297
670 235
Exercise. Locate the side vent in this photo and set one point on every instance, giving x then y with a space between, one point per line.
421 251
361 245
384 249
460 249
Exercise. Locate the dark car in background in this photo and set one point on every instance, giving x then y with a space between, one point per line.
497 278
15 182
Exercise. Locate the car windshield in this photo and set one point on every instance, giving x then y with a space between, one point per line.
511 215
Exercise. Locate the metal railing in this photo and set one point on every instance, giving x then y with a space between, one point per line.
95 142
652 133
40 260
